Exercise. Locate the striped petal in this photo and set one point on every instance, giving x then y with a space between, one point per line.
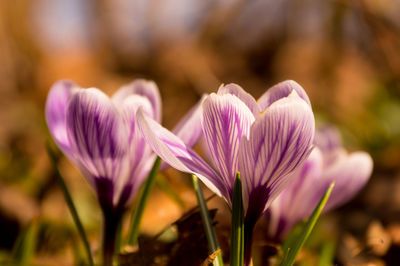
56 109
189 128
140 152
279 141
242 95
350 173
98 137
145 88
281 90
225 120
174 151
298 199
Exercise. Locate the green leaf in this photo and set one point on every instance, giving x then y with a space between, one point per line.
70 203
143 198
79 257
207 222
327 253
295 233
25 245
237 227
294 247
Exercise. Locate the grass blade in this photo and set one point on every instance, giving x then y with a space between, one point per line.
294 249
237 227
141 204
327 253
207 222
70 204
25 245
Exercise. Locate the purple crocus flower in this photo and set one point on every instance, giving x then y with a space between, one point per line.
328 162
265 141
100 136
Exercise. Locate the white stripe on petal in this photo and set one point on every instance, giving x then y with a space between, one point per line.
189 128
281 90
97 135
139 150
225 120
280 140
145 88
299 198
174 151
245 97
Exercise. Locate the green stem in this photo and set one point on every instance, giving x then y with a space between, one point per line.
237 227
142 201
70 204
25 245
207 222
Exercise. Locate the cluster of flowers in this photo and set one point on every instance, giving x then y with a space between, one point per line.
270 142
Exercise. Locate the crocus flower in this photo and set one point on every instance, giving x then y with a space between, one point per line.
100 136
265 141
328 162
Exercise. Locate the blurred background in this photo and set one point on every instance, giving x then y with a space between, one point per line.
346 54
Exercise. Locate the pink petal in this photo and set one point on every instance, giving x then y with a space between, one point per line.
242 95
350 173
225 120
299 198
174 151
56 108
280 140
280 91
189 128
140 152
145 88
328 138
97 135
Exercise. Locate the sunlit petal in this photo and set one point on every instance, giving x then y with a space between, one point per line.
281 90
225 120
279 141
145 88
174 151
299 198
97 136
245 97
350 173
56 109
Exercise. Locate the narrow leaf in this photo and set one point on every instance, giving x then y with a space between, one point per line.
70 203
294 249
237 227
293 236
327 253
25 245
142 201
207 222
